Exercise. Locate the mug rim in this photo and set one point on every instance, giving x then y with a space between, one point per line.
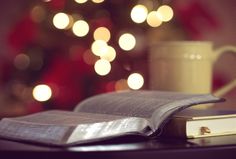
183 42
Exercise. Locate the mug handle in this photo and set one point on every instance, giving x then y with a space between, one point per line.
229 86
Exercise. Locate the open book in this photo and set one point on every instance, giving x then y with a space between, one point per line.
102 117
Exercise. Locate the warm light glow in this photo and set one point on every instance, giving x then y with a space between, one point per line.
139 13
21 61
102 33
80 28
99 47
61 20
89 58
42 92
121 85
154 19
38 14
127 41
102 67
81 1
166 13
135 81
110 86
97 1
109 55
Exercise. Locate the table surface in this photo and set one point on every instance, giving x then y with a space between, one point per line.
128 147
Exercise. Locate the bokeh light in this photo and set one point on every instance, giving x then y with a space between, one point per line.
80 28
102 33
97 1
166 13
121 85
38 14
139 13
42 92
89 58
22 61
99 47
81 1
61 20
135 81
110 86
154 19
102 67
127 41
109 55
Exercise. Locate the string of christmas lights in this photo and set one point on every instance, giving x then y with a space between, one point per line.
100 34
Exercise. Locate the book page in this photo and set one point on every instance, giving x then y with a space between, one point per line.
105 130
67 118
56 127
139 103
162 115
30 132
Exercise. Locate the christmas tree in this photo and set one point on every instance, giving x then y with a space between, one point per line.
65 51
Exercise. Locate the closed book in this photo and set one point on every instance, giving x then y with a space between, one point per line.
194 123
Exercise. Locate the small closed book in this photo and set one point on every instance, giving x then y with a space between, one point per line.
194 123
102 117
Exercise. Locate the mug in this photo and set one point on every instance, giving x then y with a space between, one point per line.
185 66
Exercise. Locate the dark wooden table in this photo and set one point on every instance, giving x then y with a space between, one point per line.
213 147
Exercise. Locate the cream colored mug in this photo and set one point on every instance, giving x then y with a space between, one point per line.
185 66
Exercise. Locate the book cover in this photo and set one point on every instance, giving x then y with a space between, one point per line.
194 123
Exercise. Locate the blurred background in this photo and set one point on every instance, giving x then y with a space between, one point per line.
55 53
